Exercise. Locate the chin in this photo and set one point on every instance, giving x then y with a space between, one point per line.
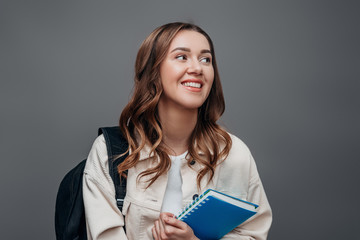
193 105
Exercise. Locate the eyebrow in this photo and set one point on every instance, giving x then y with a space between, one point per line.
188 50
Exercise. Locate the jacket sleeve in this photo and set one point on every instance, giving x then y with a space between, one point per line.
103 219
257 227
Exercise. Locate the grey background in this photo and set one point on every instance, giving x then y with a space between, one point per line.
290 72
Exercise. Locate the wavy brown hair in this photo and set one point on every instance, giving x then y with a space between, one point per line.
139 121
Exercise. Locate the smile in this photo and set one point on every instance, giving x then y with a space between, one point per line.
192 84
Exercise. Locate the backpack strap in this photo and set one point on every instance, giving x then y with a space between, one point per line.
116 145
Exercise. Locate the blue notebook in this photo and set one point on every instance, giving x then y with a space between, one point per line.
214 214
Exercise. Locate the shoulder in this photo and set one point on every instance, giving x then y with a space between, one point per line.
239 158
99 142
234 172
99 146
238 148
97 160
98 187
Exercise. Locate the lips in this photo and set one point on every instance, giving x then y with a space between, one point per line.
192 84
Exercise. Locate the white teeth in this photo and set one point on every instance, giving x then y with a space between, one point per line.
192 84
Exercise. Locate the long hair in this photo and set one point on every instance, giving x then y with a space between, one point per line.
139 121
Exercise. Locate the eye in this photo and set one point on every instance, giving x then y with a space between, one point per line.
205 60
181 57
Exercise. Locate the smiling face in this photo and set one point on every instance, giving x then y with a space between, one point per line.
187 73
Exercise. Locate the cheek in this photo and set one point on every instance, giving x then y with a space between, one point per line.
171 71
210 76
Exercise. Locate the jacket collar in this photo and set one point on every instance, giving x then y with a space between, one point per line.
145 152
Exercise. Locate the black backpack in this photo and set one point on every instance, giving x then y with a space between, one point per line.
69 210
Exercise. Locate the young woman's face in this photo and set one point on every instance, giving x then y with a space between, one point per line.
187 73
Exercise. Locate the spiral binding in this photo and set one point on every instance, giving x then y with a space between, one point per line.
187 207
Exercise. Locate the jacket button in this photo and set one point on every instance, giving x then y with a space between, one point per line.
195 196
192 162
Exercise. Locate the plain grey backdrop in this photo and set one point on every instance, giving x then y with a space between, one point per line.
290 73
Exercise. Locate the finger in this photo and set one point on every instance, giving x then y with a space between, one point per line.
157 228
175 223
163 214
155 236
162 225
179 228
171 229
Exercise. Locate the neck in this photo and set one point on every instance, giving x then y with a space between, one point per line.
177 126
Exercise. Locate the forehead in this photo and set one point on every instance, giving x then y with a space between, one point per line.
190 39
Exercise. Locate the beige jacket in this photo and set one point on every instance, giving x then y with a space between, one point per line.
236 176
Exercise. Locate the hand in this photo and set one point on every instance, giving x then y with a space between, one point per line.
167 227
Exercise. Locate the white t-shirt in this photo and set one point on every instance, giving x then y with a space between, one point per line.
172 201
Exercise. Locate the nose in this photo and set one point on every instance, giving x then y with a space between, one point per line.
194 67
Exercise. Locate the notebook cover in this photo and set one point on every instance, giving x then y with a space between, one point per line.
214 218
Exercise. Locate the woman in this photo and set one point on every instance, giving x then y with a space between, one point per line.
176 148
